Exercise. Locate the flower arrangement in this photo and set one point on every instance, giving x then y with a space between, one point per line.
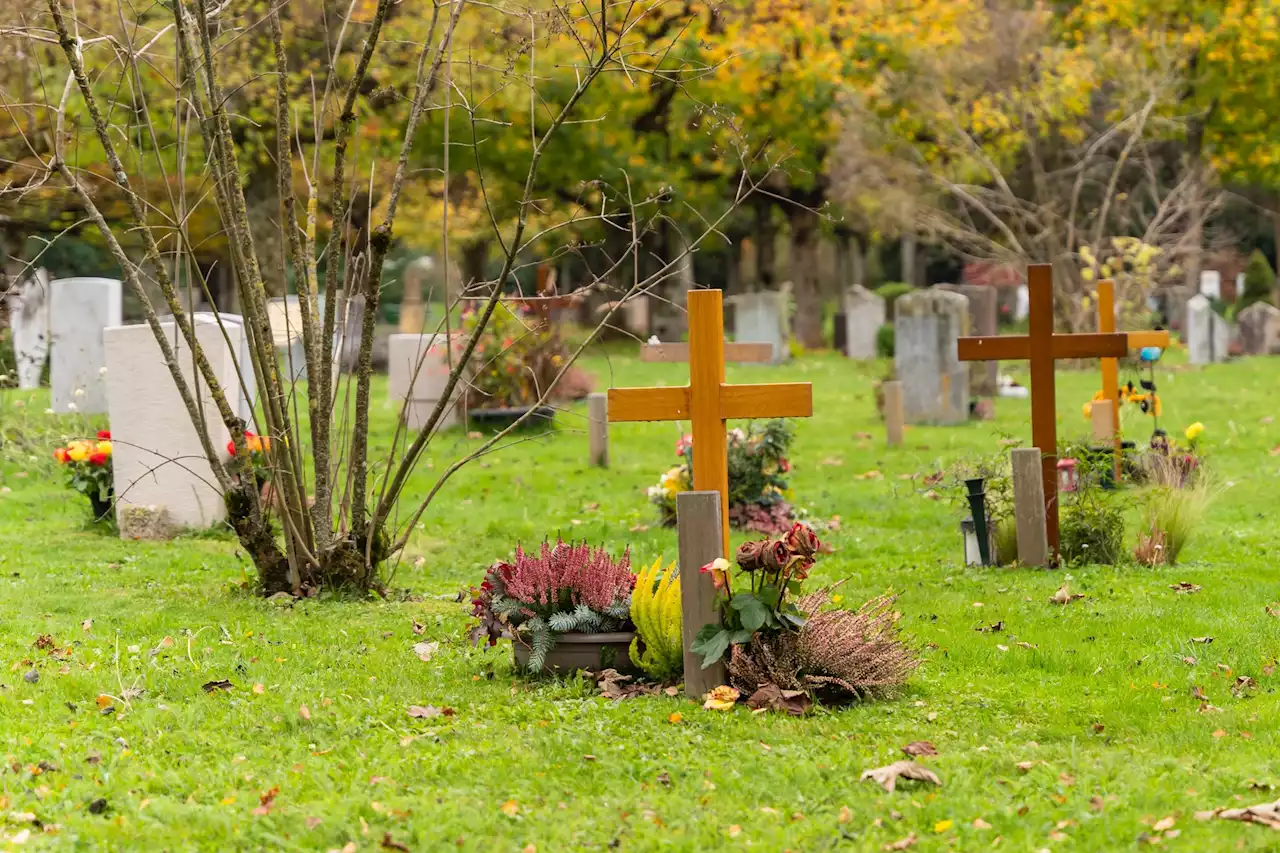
759 495
515 361
257 447
563 588
89 470
776 635
655 610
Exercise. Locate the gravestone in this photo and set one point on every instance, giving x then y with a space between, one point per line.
935 385
79 309
29 323
285 317
1260 329
417 395
163 481
1029 508
762 317
1211 284
984 376
247 386
1208 335
598 426
1022 304
863 316
412 315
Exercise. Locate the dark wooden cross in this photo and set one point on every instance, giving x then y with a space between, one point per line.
1042 348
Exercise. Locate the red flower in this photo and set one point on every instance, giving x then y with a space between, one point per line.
784 465
98 459
802 540
104 435
61 455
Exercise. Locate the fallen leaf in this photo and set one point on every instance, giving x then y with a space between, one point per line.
510 808
616 686
211 686
1065 596
418 627
639 528
902 843
943 825
870 475
1242 684
104 701
1185 586
1097 803
425 651
313 822
979 823
389 843
1205 640
1024 644
832 460
846 815
933 496
304 712
993 628
426 712
259 689
773 698
721 698
1220 733
664 779
1025 766
917 748
934 479
887 776
735 831
1163 824
87 625
1267 814
266 801
862 436
1190 660
1066 779
1273 609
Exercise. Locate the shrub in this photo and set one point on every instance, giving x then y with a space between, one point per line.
516 360
890 292
655 610
1091 530
1006 540
885 341
758 489
1259 281
564 588
1174 508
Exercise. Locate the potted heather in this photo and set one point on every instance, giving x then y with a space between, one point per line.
565 607
89 472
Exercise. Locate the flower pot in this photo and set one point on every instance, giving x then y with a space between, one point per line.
101 508
574 651
496 420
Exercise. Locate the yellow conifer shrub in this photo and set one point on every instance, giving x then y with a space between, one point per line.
655 610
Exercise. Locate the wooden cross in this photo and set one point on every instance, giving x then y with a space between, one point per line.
1042 347
708 401
1110 367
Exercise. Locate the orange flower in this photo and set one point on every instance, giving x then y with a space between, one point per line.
61 455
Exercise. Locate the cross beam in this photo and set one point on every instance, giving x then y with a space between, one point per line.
708 401
1042 347
1111 368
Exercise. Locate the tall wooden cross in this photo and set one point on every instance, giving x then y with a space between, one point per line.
1110 367
708 401
1042 347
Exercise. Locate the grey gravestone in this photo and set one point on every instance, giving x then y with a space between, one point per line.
79 309
1260 329
1208 335
983 375
29 323
762 318
418 368
863 317
246 384
935 383
1211 284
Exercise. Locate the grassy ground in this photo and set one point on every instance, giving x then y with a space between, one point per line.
1099 700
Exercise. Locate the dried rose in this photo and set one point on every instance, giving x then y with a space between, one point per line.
776 556
751 555
802 540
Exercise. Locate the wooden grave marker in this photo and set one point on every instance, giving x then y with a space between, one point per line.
708 401
598 428
1042 347
1110 367
1028 506
893 413
700 537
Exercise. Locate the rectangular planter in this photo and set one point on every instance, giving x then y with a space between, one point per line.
573 652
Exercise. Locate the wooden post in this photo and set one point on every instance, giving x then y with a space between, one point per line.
698 528
598 427
1110 367
1103 423
1029 509
893 416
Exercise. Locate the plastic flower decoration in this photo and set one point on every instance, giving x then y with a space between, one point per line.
1193 433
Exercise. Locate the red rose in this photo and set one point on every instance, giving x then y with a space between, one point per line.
98 459
104 435
750 555
803 541
776 556
231 448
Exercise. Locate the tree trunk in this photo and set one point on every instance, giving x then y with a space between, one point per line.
805 278
909 249
766 248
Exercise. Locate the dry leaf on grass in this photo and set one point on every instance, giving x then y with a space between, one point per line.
426 712
1267 814
933 496
721 698
304 712
1065 596
979 823
1205 640
1025 766
425 651
389 843
771 697
418 627
993 628
870 475
212 686
902 843
1185 586
1163 823
616 686
919 747
887 777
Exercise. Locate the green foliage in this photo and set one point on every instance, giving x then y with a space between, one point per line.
1006 539
1259 281
1174 507
1091 531
655 610
889 292
885 341
517 358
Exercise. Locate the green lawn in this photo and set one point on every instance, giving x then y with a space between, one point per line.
1100 700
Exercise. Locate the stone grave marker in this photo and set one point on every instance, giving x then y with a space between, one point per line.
1260 329
247 385
762 317
285 316
598 424
29 323
1208 335
1029 506
163 481
1211 284
935 385
864 314
984 376
79 309
417 395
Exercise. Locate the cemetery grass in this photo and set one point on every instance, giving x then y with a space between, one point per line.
1074 727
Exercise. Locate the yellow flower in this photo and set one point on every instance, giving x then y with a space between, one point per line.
1087 408
104 447
77 452
1193 431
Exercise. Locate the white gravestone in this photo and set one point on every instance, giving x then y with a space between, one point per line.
1022 305
762 318
29 322
1208 335
1260 329
163 481
863 316
935 383
247 386
285 317
1211 284
417 395
79 309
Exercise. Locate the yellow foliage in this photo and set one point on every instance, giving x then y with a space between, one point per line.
655 609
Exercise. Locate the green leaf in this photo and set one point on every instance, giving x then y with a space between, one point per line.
740 638
754 614
711 648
